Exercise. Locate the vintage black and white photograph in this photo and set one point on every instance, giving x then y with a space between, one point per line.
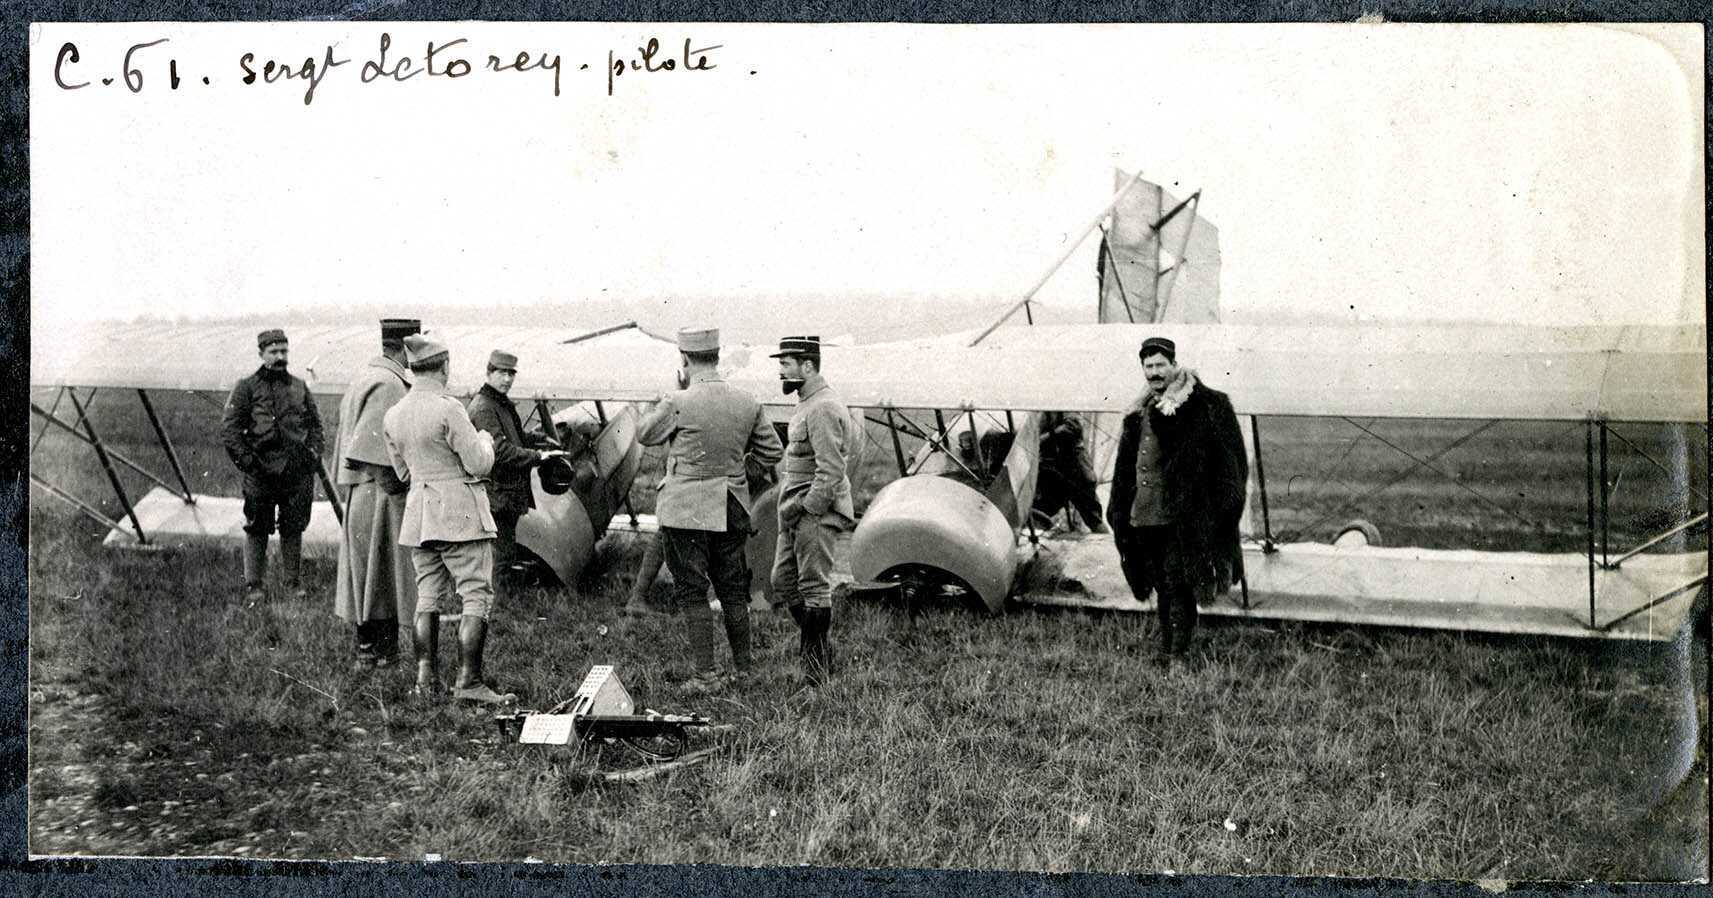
1157 449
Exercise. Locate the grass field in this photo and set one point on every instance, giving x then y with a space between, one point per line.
167 719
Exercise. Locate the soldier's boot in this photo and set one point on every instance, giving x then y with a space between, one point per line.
818 659
699 628
1165 613
427 646
736 615
255 568
470 687
386 642
799 614
1184 629
646 575
291 564
368 650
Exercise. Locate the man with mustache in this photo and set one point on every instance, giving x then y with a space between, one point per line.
815 503
272 431
1178 489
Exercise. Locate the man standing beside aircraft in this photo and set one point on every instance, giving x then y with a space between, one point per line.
272 432
715 431
376 586
443 457
1178 489
815 503
1066 477
509 493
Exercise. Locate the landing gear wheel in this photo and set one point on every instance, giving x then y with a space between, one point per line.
920 584
1356 533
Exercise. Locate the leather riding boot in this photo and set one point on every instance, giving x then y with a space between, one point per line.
1185 627
428 653
470 686
386 642
799 614
736 615
291 563
255 566
367 651
817 659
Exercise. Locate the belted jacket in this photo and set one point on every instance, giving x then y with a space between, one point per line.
713 428
814 476
443 458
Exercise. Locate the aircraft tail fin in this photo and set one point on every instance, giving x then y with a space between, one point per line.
1159 260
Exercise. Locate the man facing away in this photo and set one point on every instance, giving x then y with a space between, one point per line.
815 503
1066 476
1178 489
272 431
715 430
510 495
447 523
376 587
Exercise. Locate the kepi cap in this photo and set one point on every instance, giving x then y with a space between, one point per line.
421 349
269 337
502 360
1160 345
698 339
797 346
399 328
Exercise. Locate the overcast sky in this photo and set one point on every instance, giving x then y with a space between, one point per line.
1514 173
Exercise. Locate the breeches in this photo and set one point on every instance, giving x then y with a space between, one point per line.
282 497
803 563
465 569
697 558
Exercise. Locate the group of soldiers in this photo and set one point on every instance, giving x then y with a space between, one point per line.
434 490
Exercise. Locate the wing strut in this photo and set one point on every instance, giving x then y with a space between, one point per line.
115 454
107 465
1268 546
166 443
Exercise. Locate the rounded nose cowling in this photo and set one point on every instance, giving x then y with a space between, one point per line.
939 523
558 531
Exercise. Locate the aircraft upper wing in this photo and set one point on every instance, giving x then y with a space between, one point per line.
1622 373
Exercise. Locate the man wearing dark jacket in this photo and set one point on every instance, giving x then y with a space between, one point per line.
509 492
272 432
1178 489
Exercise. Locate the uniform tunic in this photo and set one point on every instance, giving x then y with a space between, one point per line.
375 578
272 431
712 427
814 496
444 458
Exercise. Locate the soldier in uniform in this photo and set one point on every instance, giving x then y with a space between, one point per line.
1066 476
716 431
272 432
376 587
447 523
509 493
814 502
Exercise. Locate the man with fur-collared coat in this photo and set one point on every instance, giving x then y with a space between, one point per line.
1178 488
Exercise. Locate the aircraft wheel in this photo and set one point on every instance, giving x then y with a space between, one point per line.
1357 533
920 585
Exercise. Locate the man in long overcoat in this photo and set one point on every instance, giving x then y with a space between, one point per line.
1178 489
376 586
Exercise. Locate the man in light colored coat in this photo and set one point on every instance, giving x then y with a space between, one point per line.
444 458
715 431
814 502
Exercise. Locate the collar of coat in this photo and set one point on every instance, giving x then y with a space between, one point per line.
1169 400
489 391
391 367
265 373
702 377
812 384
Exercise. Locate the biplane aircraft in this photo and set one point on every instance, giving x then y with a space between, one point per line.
959 511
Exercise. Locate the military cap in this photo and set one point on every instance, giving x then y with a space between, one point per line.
698 339
1161 345
421 349
502 360
399 328
798 346
269 337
